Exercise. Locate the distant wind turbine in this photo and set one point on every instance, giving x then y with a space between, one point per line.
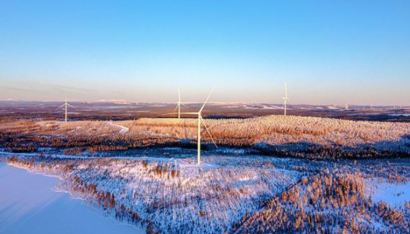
285 99
200 122
65 105
179 104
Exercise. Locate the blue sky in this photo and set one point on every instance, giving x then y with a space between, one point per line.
329 52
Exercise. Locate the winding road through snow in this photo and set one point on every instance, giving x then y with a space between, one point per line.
122 128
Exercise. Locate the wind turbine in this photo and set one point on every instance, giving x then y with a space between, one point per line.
285 99
179 104
65 105
200 122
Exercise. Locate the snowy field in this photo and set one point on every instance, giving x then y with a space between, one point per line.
395 194
30 204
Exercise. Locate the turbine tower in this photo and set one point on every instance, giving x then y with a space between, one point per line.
200 122
285 100
65 105
179 104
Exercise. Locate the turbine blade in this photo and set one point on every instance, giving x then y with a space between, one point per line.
176 108
179 95
60 107
72 106
203 106
209 133
286 90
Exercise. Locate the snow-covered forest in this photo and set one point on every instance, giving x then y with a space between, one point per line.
293 136
268 175
229 194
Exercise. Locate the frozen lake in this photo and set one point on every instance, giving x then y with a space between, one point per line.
30 205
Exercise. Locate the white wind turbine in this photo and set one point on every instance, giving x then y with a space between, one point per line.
200 122
179 104
65 105
285 99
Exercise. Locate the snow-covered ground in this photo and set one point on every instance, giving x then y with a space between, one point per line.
396 194
400 115
30 205
263 107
